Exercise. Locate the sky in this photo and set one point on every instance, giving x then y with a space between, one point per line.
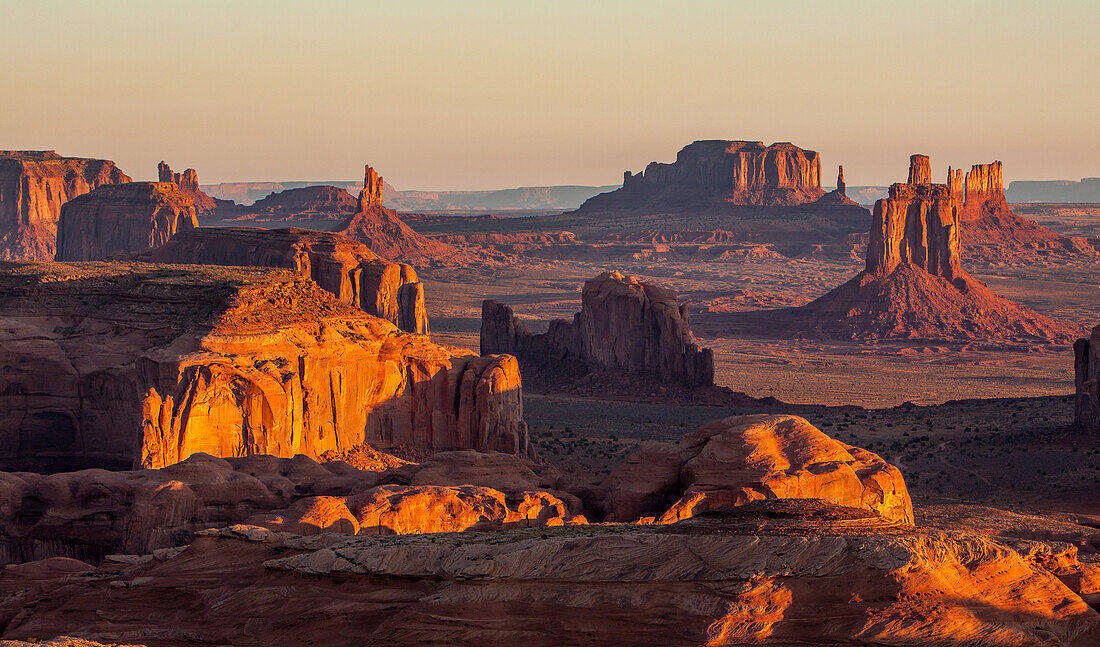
485 94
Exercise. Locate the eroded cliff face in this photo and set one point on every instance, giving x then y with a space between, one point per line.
1086 360
120 365
919 225
723 172
624 324
340 265
33 186
122 219
188 182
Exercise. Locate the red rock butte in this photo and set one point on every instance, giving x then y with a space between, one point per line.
188 182
125 365
33 186
913 285
122 219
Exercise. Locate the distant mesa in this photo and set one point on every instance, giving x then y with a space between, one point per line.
188 182
913 285
721 172
1084 191
123 365
625 325
33 186
347 269
309 202
382 230
122 219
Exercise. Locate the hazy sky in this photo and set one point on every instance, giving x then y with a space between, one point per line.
485 94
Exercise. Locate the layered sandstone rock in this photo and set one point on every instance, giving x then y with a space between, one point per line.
678 585
188 182
734 461
340 265
305 203
118 365
1086 360
33 186
920 169
122 219
383 231
913 285
716 172
624 325
89 514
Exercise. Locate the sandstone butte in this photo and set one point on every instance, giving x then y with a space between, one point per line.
383 231
912 286
625 325
346 268
188 182
33 186
721 172
122 219
124 365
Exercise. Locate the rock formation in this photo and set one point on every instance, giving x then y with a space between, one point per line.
720 172
309 202
33 186
912 287
89 514
841 188
1086 360
122 219
123 364
340 265
624 325
188 182
920 170
383 231
690 584
734 461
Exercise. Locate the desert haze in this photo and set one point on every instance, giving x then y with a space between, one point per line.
635 343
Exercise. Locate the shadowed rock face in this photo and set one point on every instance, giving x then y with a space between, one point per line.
306 202
624 324
120 365
1086 360
122 219
722 172
33 186
340 265
734 461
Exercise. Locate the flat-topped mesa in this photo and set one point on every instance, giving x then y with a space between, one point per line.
723 172
188 182
122 365
920 169
122 219
347 269
919 225
624 325
33 186
373 187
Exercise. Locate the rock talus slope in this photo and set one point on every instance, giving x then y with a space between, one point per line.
349 270
33 186
122 219
120 365
624 324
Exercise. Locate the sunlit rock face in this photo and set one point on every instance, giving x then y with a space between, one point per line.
338 264
122 219
33 186
122 365
716 172
188 182
734 461
624 324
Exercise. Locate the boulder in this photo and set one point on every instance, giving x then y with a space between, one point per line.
122 219
347 269
179 360
734 461
625 324
33 186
